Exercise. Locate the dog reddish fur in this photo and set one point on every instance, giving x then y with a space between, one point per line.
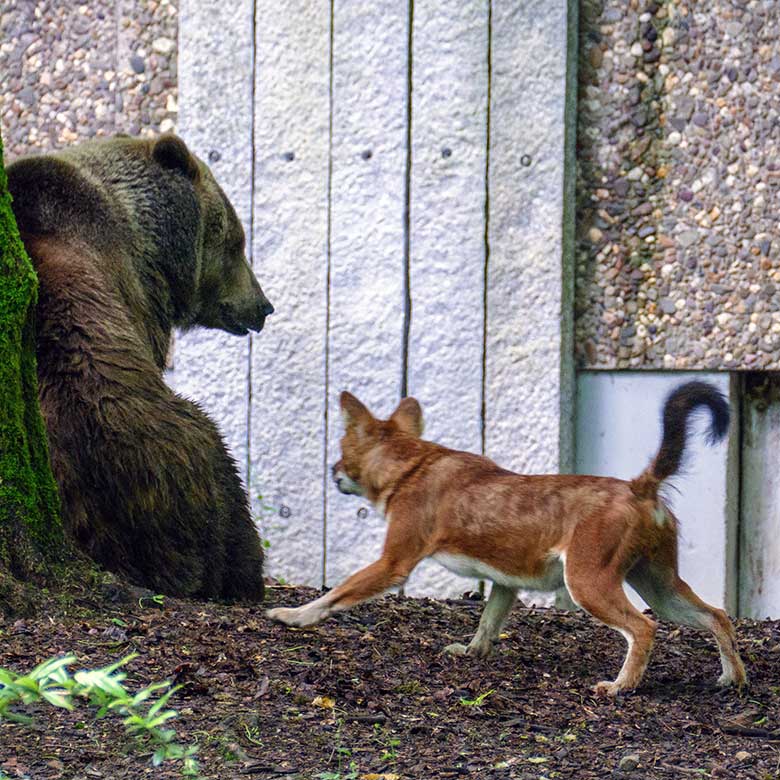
534 532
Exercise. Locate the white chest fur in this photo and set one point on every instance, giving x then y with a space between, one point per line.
465 566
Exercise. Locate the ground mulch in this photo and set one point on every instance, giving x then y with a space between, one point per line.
368 693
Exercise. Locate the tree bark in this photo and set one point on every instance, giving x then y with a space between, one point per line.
31 534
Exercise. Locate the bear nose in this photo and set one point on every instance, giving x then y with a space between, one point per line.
267 308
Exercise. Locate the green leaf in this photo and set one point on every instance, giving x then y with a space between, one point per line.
16 717
163 717
145 693
6 677
47 668
163 699
25 684
58 698
478 701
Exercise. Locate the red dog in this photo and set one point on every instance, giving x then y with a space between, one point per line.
532 532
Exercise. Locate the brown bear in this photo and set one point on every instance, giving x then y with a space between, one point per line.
130 238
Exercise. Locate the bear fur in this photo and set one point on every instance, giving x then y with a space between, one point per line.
131 237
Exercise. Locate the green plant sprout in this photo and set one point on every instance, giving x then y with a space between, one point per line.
342 753
390 754
103 688
478 702
265 512
158 599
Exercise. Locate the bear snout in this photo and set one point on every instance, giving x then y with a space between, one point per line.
264 309
239 320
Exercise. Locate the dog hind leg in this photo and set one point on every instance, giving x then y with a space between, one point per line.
671 598
499 605
603 597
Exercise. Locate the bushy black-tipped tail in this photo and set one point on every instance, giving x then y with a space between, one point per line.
679 406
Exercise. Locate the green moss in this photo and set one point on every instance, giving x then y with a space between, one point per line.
31 534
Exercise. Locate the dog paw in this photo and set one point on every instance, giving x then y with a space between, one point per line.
607 688
282 615
727 679
299 617
456 649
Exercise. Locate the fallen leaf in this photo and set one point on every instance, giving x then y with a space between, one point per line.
323 701
262 688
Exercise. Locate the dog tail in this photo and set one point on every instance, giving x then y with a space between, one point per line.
679 406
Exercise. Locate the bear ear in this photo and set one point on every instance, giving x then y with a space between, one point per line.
172 153
408 417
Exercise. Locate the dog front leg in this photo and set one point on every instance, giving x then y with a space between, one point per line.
499 605
361 586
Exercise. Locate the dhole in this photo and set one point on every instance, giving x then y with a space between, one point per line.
532 532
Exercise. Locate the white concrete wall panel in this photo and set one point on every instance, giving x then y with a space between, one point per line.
759 571
292 113
215 119
367 245
618 433
447 234
523 357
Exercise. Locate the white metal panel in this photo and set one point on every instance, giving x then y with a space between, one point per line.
619 431
292 112
447 234
215 120
759 569
367 245
524 285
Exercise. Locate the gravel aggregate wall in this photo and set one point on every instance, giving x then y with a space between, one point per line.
678 262
73 71
678 252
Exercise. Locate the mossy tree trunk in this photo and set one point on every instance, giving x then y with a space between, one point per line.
31 535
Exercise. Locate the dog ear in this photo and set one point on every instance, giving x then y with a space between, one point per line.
352 411
408 417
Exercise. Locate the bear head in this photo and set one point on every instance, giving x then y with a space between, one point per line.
227 295
154 209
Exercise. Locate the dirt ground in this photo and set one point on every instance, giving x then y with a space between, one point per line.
368 694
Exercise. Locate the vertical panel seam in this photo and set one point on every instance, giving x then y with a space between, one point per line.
251 242
407 291
566 372
407 209
483 409
117 39
739 542
325 481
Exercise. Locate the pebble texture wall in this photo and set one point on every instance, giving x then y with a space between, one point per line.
73 71
678 255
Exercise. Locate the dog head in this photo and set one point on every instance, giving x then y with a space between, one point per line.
370 444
